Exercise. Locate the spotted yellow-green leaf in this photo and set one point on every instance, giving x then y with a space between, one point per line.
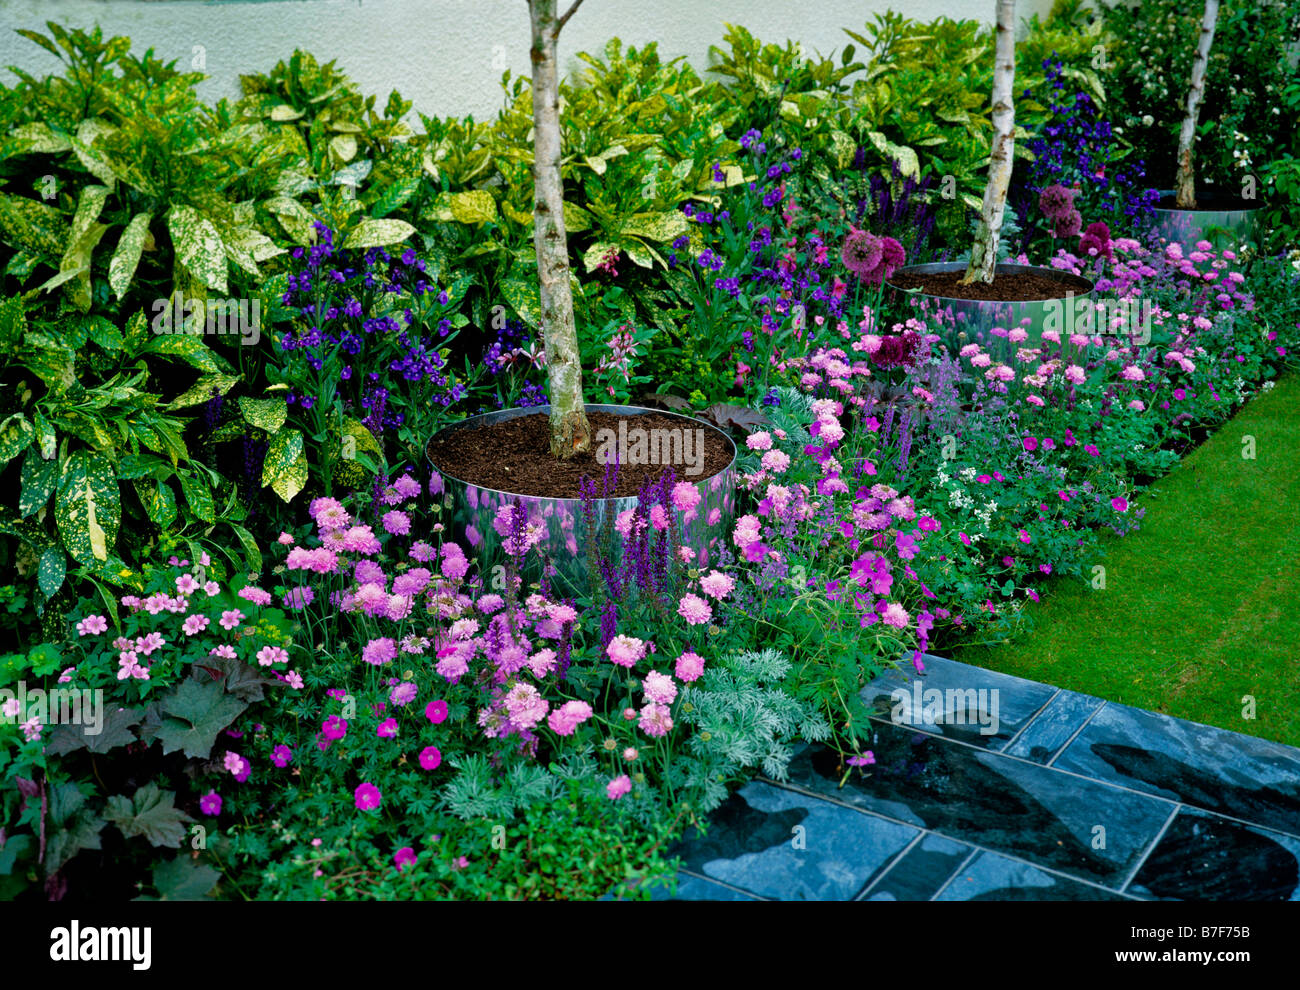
87 506
371 232
639 253
121 269
843 147
284 112
519 216
198 245
85 234
295 218
13 323
93 159
596 163
40 139
285 466
575 218
37 477
473 206
201 391
665 226
522 295
396 196
194 351
51 364
159 502
198 496
51 570
345 146
597 253
16 435
39 229
266 414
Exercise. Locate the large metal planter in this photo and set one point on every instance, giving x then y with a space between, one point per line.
973 320
1222 228
469 510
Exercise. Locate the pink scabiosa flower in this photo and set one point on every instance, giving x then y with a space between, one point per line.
690 666
526 705
717 585
617 787
92 625
396 522
360 539
284 539
379 651
626 650
655 720
685 496
895 615
759 441
256 595
366 797
630 754
403 694
430 757
659 688
694 609
776 461
566 719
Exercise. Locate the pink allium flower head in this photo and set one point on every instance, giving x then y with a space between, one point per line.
717 585
367 796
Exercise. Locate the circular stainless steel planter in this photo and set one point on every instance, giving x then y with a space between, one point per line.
468 510
973 320
1222 228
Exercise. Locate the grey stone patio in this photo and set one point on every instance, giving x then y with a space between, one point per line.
999 788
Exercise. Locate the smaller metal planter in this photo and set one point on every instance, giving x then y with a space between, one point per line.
973 320
1224 228
469 510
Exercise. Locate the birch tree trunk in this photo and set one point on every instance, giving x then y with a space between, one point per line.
984 252
1185 184
570 431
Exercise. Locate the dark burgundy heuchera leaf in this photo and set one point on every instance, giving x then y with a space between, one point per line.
728 417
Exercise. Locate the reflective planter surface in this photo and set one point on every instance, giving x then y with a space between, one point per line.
1222 228
469 510
973 320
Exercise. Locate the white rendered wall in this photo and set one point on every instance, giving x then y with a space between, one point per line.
447 56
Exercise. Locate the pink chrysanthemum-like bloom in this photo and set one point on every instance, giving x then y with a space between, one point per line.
360 539
694 609
566 719
685 496
776 461
526 705
655 720
396 522
367 796
403 694
626 650
256 595
690 666
717 585
617 787
659 688
759 441
379 651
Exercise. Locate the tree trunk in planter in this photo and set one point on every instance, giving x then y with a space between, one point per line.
984 252
1185 184
570 432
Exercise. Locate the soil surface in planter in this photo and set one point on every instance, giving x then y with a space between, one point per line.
1210 203
1005 287
514 455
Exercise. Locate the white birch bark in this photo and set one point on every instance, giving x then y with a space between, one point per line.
984 252
570 431
1185 183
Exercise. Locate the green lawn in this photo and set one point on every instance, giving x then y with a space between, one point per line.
1202 604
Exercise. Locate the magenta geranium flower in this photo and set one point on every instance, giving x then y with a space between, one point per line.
210 803
281 756
92 625
404 857
436 712
387 729
367 796
1119 504
430 757
334 728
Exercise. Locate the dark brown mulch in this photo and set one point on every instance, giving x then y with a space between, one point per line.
514 455
1017 287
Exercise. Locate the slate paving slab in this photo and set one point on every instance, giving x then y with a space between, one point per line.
1204 856
783 845
1067 797
1236 775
